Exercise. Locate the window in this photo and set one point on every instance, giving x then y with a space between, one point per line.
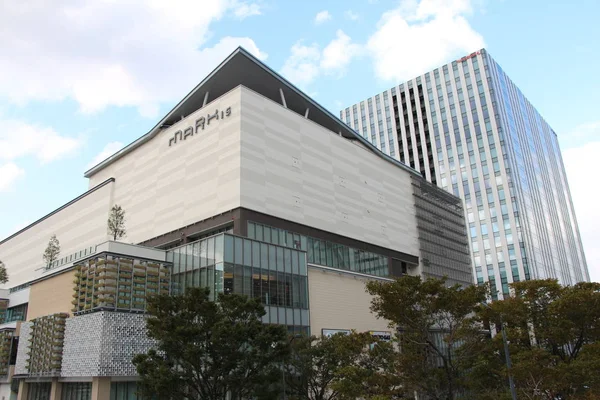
17 313
83 391
121 391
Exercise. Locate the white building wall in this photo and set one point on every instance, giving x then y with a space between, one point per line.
294 169
5 392
78 226
339 300
163 188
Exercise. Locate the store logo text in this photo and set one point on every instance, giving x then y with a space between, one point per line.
200 124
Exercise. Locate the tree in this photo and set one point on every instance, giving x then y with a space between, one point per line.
209 349
341 366
433 322
3 273
554 335
52 251
116 222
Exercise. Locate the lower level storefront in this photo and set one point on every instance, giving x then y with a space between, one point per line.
95 389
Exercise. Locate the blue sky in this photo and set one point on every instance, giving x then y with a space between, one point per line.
80 79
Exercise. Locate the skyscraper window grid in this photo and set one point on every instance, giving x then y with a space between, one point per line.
489 146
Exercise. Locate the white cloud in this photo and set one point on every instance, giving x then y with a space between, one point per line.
581 134
108 150
421 35
581 165
107 53
9 173
245 9
301 67
306 63
339 52
351 15
322 16
19 139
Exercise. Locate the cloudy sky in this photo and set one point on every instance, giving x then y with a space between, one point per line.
80 79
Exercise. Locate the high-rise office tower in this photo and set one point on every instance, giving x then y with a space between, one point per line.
469 129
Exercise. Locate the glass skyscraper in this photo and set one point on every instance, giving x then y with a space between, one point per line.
468 128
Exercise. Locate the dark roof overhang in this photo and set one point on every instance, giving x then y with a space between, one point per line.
242 68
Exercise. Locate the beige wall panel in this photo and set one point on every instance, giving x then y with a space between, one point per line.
51 296
295 169
173 186
80 225
339 301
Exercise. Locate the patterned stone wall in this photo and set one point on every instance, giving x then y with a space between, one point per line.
83 342
21 364
103 344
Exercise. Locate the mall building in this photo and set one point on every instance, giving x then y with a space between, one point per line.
247 186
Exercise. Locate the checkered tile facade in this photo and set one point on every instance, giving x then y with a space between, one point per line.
103 344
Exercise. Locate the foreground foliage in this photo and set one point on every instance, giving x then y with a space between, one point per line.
432 321
554 335
447 345
342 366
207 349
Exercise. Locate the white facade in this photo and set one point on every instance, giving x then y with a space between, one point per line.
78 226
262 157
295 169
233 190
467 128
163 188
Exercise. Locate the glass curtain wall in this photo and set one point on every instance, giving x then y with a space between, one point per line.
123 391
76 391
323 252
275 275
16 313
39 391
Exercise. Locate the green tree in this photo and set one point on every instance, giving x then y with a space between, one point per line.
3 273
116 222
52 251
341 366
210 349
433 322
554 335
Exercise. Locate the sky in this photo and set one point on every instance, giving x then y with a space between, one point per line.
80 79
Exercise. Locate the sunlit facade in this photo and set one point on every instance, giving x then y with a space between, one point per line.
467 128
247 186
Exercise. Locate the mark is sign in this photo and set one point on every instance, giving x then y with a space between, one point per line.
200 124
